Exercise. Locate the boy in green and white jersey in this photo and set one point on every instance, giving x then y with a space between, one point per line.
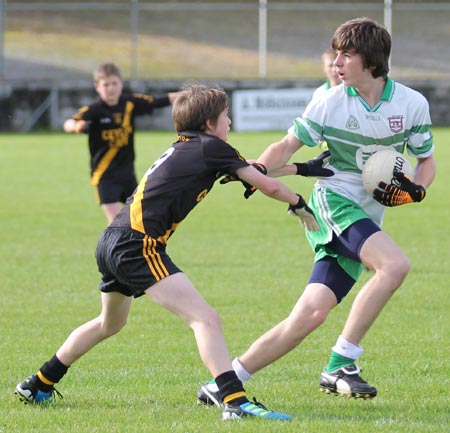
351 141
329 71
364 114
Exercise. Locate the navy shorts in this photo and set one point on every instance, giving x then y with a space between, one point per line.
109 191
130 262
327 270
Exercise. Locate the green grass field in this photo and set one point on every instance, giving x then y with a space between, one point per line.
251 261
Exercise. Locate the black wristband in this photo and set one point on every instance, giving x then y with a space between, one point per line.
300 168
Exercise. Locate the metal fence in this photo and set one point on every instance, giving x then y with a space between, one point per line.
177 40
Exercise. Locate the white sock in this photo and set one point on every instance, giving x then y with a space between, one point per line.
241 372
343 347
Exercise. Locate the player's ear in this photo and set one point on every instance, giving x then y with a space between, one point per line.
210 125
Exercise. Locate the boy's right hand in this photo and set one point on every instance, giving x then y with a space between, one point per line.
77 126
80 126
305 213
314 167
249 189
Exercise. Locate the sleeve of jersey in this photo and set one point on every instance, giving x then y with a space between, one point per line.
308 128
145 104
222 157
83 113
420 141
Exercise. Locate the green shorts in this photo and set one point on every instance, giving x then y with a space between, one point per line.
334 213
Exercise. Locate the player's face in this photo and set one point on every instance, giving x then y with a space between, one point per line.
329 69
350 68
222 126
109 89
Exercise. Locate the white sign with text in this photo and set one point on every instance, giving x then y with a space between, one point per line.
266 110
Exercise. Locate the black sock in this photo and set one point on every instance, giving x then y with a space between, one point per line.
230 388
50 373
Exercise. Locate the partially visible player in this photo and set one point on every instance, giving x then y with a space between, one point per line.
329 69
366 113
109 123
332 79
131 253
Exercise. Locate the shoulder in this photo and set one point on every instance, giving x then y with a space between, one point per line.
403 91
141 97
327 100
211 141
95 105
320 91
217 148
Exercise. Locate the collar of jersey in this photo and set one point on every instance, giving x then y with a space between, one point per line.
386 96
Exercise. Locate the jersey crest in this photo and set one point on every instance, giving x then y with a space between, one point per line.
396 123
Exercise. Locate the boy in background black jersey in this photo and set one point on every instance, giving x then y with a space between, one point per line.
131 253
109 122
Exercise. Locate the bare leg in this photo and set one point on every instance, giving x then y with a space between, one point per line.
391 266
111 210
177 294
309 313
112 319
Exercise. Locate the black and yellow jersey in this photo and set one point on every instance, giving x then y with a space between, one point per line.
111 134
176 183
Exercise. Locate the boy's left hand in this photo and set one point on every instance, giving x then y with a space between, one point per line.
407 192
305 214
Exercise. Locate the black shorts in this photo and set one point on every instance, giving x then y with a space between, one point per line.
112 191
130 262
349 243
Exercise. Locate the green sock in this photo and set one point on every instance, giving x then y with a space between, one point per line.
337 361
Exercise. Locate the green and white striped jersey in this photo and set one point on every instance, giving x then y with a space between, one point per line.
353 131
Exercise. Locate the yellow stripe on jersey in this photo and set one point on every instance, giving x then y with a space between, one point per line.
169 232
103 165
136 220
117 141
79 114
97 195
153 258
127 115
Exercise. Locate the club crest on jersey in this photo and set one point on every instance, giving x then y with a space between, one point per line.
396 123
117 118
352 123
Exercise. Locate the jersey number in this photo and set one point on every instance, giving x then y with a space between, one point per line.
160 160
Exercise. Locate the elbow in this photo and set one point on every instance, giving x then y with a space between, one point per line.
271 190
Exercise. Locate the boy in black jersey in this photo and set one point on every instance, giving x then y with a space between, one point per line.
131 253
109 122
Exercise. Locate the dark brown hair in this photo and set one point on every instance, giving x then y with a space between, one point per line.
196 104
366 37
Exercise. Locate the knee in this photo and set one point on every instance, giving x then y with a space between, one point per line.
110 328
301 325
316 317
398 268
208 319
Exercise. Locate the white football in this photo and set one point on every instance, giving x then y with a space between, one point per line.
380 167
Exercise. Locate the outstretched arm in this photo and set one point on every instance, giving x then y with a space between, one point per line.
72 125
172 96
312 168
277 155
279 191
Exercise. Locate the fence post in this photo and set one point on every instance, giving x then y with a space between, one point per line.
2 30
134 28
262 38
